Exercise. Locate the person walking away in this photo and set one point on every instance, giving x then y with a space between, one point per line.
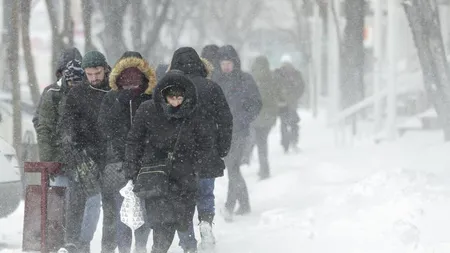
168 130
132 81
219 123
81 138
291 85
266 120
244 99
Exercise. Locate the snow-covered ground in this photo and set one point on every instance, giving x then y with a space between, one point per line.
390 197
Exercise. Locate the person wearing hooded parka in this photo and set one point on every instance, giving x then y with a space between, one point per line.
219 122
132 81
172 115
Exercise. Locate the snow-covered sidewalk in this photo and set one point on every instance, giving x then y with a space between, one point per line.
390 197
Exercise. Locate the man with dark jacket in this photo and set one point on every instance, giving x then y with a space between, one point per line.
245 103
65 56
219 122
81 138
48 128
291 87
132 81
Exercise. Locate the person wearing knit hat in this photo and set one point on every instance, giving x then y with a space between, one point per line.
81 142
96 68
50 129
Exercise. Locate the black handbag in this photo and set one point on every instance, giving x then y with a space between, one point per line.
152 181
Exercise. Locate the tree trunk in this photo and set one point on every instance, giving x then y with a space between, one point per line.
86 6
423 17
13 66
28 56
352 54
112 37
159 21
68 25
136 28
57 44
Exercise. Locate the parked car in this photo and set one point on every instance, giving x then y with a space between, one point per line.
10 180
29 140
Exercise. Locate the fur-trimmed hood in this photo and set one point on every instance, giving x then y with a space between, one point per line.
187 60
135 62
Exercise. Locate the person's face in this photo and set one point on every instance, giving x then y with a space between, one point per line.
174 100
95 75
131 82
73 83
227 66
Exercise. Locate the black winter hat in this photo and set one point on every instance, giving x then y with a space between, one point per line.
73 71
66 56
94 59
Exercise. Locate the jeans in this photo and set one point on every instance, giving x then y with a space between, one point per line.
82 213
205 209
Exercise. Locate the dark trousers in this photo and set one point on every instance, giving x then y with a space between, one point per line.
261 136
162 238
114 233
141 237
74 215
289 127
237 188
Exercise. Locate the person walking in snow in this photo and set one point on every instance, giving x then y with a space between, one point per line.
210 53
291 85
260 70
49 131
132 81
219 123
82 143
168 134
245 103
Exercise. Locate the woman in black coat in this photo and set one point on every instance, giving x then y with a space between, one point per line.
156 126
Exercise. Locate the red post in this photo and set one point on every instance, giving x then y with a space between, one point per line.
46 169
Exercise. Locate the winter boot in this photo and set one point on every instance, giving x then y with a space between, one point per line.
206 233
227 215
68 248
243 210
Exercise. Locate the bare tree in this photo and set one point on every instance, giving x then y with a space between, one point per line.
87 10
28 56
423 17
352 53
13 63
234 20
144 37
61 37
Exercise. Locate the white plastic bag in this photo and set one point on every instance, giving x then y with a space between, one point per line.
132 209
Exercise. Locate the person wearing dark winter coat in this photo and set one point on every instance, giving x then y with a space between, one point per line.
245 103
65 56
172 115
132 81
266 120
210 53
82 139
161 70
219 122
291 86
